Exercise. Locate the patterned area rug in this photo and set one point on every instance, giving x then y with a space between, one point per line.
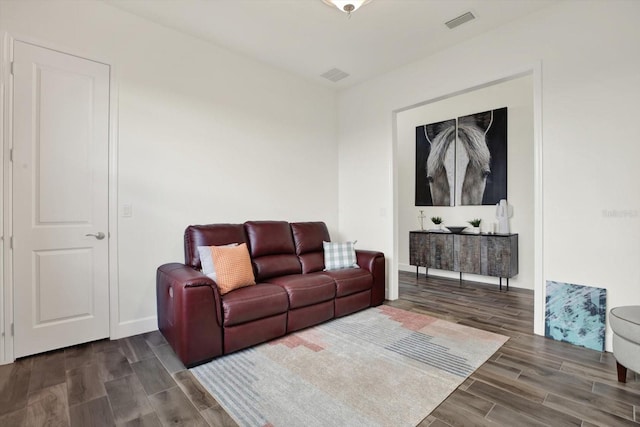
379 367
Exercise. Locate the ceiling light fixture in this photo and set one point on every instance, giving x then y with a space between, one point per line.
347 6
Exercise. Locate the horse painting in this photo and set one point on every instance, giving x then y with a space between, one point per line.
459 161
440 165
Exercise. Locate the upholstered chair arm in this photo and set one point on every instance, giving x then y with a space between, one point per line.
374 262
189 312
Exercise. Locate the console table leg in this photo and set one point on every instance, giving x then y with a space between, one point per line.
417 271
507 284
622 373
461 279
501 284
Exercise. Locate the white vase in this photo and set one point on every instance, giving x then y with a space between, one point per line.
503 213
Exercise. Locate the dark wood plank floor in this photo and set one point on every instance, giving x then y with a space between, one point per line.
531 380
138 381
135 381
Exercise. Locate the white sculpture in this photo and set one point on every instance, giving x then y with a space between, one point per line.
503 213
421 218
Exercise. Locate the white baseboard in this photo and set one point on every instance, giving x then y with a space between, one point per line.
406 267
134 327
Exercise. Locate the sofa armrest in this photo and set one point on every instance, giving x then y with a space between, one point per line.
189 312
374 262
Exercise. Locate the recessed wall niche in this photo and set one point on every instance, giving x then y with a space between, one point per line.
515 94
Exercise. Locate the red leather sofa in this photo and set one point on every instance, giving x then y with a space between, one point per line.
292 291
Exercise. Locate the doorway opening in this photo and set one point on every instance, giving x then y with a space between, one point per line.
520 93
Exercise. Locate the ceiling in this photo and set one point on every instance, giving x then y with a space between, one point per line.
308 37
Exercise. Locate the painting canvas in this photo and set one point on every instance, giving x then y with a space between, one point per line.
576 314
439 185
462 161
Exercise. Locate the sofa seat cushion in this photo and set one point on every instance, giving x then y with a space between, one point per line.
306 289
350 280
253 302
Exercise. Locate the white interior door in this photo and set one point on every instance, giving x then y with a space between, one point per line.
60 199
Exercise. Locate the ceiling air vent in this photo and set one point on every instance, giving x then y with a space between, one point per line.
334 75
465 17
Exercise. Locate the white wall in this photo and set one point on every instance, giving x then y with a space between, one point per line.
188 111
204 136
517 96
589 59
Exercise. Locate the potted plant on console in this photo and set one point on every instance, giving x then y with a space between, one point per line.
475 223
437 221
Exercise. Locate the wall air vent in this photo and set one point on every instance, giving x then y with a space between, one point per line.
334 75
455 22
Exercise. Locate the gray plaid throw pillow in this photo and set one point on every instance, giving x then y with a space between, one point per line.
339 255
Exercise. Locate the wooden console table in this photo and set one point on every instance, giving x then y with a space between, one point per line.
493 255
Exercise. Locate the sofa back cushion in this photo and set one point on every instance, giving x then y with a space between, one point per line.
209 235
308 238
272 249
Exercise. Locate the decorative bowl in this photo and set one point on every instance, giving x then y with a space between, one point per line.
456 230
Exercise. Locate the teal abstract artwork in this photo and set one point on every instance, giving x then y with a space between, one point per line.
576 314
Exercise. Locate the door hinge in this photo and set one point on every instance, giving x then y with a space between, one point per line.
11 71
11 242
11 154
12 329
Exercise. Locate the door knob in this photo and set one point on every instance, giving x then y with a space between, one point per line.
98 236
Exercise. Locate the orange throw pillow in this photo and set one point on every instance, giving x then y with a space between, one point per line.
233 267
